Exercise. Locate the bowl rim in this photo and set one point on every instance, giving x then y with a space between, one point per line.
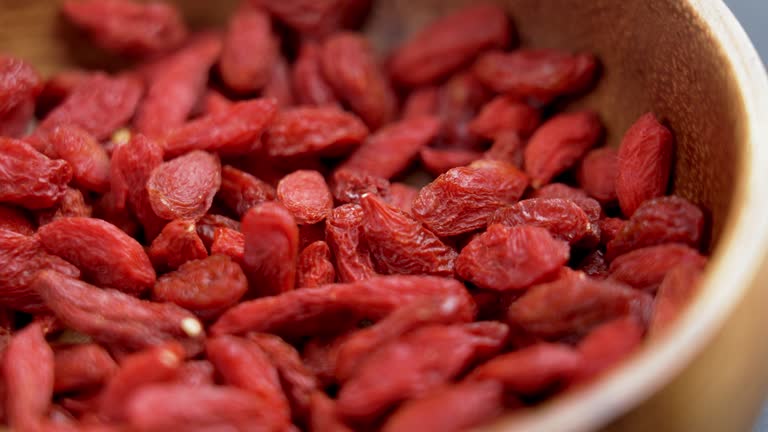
735 264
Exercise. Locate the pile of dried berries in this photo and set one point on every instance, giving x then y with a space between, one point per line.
221 238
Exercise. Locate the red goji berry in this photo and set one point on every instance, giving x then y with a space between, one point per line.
399 244
401 196
644 163
229 242
81 367
279 85
105 255
240 191
14 219
597 174
207 225
314 267
541 74
345 237
128 27
559 143
437 161
675 292
502 114
183 188
306 195
323 415
462 199
645 268
249 50
19 83
308 312
176 244
196 373
507 147
28 178
309 84
347 186
271 248
16 122
437 50
421 102
313 19
561 217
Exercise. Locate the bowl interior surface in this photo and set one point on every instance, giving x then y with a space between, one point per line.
673 57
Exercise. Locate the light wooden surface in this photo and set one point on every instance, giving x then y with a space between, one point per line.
688 61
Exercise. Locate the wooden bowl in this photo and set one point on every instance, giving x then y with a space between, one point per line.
690 62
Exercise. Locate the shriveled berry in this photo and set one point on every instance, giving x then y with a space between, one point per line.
505 113
72 204
347 186
607 345
309 84
14 219
597 174
559 190
351 69
506 147
508 258
437 161
646 267
28 178
609 229
81 367
306 195
676 291
88 159
541 74
240 191
559 143
271 248
401 245
279 85
401 196
314 266
183 188
644 163
104 253
314 131
561 217
661 220
19 82
438 49
344 234
421 102
462 199
249 50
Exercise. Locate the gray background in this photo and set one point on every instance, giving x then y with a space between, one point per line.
753 15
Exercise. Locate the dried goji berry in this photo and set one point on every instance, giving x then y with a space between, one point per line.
215 103
462 199
644 163
88 159
14 219
298 382
309 312
323 415
421 102
347 186
195 373
183 188
533 369
271 248
355 348
105 255
100 105
206 286
235 131
80 367
306 195
176 244
343 231
314 131
320 355
28 178
459 101
111 317
423 360
249 50
657 221
72 204
646 267
676 291
27 372
309 84
559 143
452 408
438 49
57 87
561 217
574 305
541 74
279 85
436 161
558 190
152 365
182 75
314 267
507 147
128 27
163 407
229 242
607 345
240 191
20 257
207 225
505 113
243 364
597 174
19 83
401 245
507 258
351 69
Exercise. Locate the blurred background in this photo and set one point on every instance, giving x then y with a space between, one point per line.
753 15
